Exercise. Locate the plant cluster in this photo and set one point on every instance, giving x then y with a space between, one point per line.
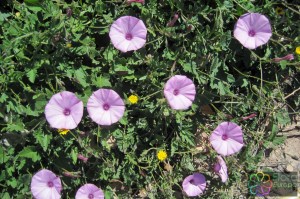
164 84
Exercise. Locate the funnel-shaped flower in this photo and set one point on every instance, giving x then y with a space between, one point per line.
128 33
105 107
252 30
64 110
221 169
89 191
227 138
194 185
180 92
45 185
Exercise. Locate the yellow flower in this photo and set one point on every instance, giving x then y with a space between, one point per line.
279 11
297 51
17 14
133 99
162 155
68 45
63 131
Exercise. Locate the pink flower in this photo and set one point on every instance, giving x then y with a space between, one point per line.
64 110
194 185
128 33
252 30
180 92
81 157
45 185
288 57
173 21
227 138
221 169
105 107
135 1
89 191
249 116
71 174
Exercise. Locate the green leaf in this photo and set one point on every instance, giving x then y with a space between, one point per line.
102 81
283 64
43 139
81 77
221 88
17 126
74 154
34 8
3 16
5 196
279 140
3 98
31 75
32 2
3 157
12 182
29 152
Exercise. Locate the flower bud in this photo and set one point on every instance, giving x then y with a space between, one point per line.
69 12
135 1
173 21
288 57
81 157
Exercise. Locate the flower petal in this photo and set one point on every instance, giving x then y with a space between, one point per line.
109 97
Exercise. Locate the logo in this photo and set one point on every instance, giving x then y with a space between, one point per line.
260 184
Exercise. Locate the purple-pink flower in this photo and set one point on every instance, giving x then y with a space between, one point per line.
128 33
194 185
135 1
89 191
221 169
83 158
105 107
180 92
288 57
173 21
45 185
227 138
252 30
64 110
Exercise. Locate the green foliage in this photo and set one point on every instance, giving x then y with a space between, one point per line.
45 50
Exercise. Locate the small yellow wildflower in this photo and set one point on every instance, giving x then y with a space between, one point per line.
162 155
63 131
133 99
279 11
69 45
297 51
17 14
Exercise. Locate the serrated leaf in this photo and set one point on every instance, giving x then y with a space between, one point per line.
29 152
81 77
17 126
31 75
3 97
102 81
43 139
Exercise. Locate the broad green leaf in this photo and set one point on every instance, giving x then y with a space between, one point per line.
30 152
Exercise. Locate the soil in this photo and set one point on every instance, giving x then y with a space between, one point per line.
286 157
